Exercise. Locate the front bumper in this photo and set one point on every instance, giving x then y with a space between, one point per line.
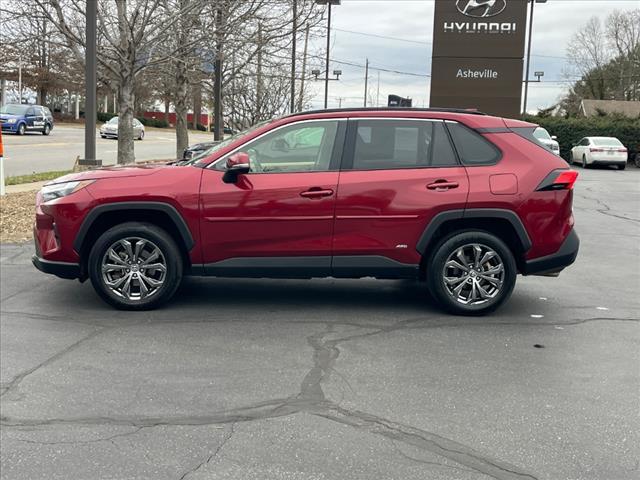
556 262
59 269
9 127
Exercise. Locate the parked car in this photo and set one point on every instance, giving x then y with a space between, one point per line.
196 149
599 151
462 200
110 129
550 142
19 119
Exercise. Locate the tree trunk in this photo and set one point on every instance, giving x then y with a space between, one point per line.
126 152
182 133
197 104
166 109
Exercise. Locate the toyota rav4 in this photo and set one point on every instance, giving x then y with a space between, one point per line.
458 199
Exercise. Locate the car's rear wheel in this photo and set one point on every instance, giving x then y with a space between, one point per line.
622 166
47 129
22 128
135 266
471 273
584 162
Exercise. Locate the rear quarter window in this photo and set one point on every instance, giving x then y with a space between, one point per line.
473 148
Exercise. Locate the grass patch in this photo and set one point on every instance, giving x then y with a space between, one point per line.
35 177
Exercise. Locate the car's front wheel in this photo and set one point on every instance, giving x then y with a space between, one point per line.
47 129
135 266
471 273
22 128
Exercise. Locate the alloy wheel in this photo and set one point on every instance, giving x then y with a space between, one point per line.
473 274
134 268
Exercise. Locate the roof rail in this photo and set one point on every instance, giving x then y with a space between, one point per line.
389 109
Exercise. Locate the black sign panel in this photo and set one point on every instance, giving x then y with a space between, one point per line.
478 49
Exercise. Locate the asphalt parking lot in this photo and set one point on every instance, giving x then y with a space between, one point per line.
328 379
34 152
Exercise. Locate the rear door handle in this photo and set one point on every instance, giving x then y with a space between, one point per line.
442 185
317 192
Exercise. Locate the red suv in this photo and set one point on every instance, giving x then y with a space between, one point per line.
460 199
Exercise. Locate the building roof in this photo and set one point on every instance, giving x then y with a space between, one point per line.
592 108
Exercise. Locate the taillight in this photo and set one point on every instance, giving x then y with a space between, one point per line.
558 180
596 150
622 150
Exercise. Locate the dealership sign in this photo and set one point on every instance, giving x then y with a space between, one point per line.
478 53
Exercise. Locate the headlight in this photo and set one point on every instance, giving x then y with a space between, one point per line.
59 190
11 120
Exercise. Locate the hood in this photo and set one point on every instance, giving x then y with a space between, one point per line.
7 116
112 172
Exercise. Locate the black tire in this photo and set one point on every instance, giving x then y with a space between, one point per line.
585 165
141 137
149 233
447 247
622 167
22 128
47 129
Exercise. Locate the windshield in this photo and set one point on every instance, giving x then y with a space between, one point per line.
541 134
606 142
224 143
113 121
14 109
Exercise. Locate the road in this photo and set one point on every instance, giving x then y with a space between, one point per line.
34 152
333 379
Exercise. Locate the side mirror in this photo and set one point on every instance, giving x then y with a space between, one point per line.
553 137
237 164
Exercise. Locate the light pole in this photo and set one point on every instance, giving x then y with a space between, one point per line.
526 78
90 81
293 55
326 70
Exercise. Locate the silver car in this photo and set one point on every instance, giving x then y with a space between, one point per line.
110 129
548 141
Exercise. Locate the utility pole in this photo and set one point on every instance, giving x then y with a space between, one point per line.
293 56
304 67
3 92
366 82
378 91
217 87
326 73
90 84
526 79
340 99
259 74
20 80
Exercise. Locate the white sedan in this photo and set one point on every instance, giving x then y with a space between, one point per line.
110 129
599 151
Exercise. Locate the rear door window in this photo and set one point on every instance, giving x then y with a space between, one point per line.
473 148
397 144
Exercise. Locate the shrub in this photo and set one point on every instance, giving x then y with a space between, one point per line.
152 122
571 130
105 117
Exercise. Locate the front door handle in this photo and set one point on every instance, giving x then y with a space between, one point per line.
317 192
442 185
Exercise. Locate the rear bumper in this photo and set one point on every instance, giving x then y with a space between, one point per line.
555 263
59 269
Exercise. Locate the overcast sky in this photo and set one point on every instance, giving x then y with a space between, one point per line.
411 22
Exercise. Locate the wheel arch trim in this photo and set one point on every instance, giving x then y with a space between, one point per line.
170 210
475 213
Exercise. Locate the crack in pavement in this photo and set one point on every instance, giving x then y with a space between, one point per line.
81 442
311 399
606 209
15 382
226 438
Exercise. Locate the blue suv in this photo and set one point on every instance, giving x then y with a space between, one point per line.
26 118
